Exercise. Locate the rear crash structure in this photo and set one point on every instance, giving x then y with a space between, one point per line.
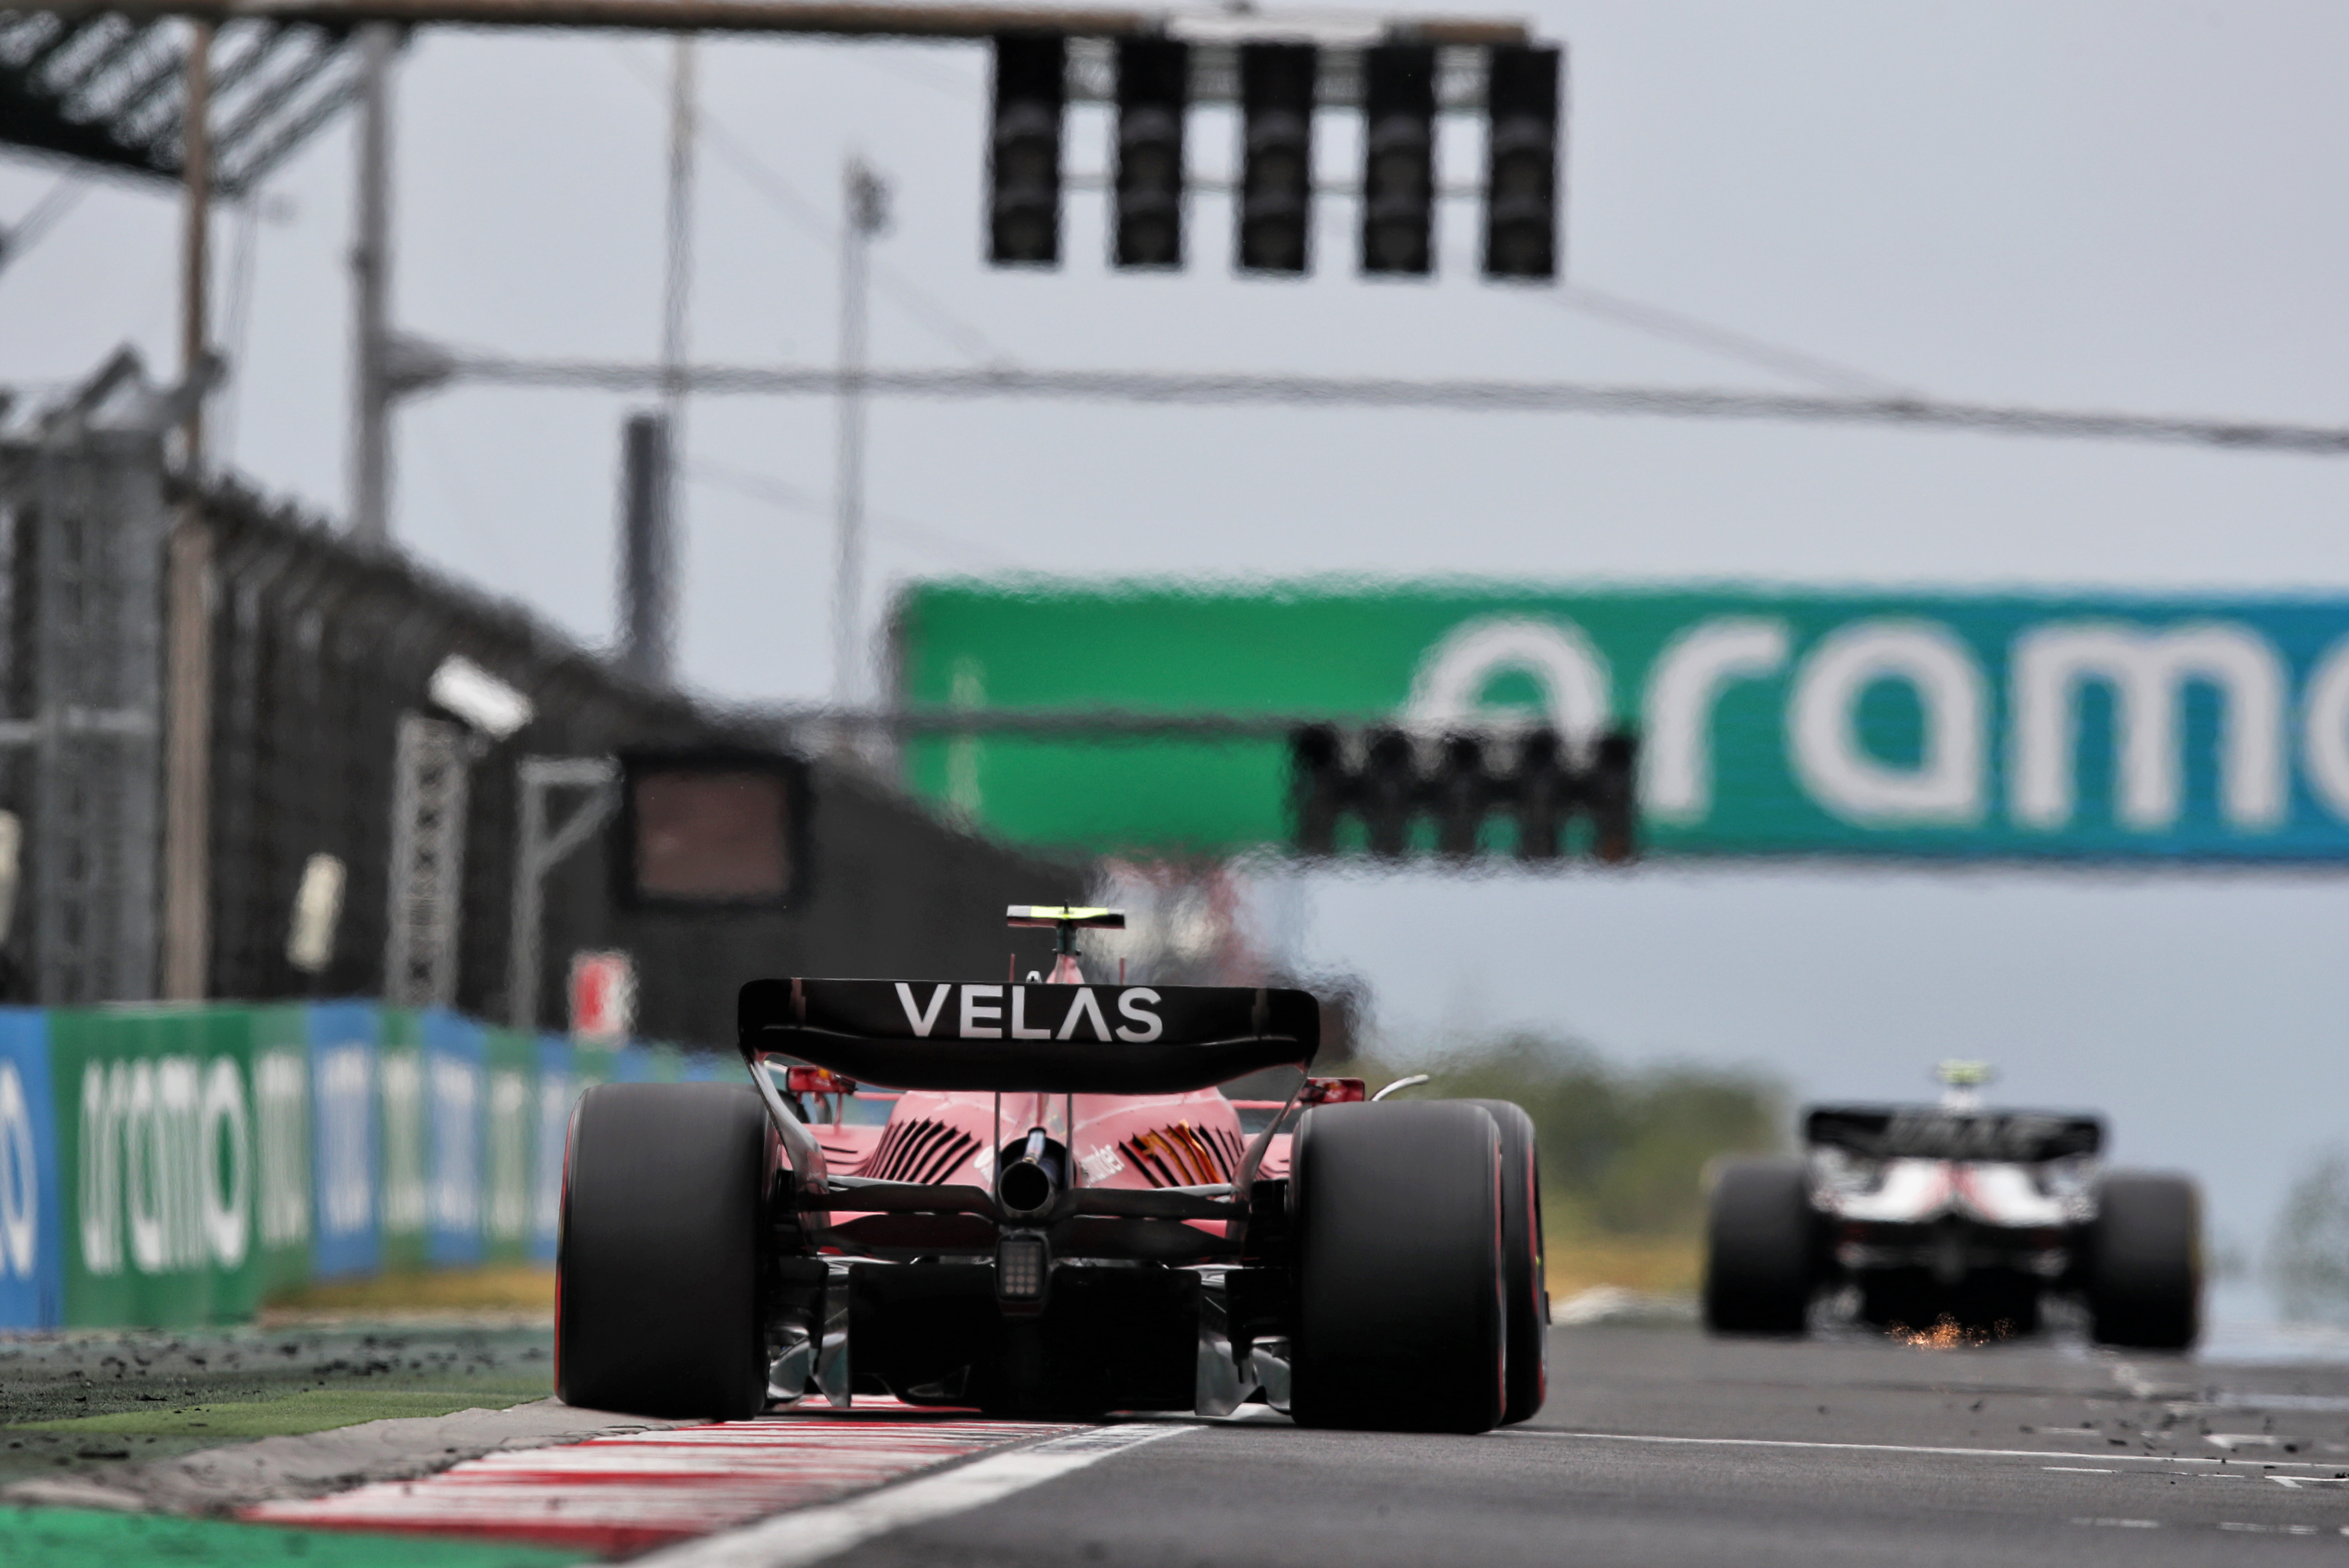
1056 1212
1954 1214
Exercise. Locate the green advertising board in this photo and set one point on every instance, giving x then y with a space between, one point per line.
1772 721
169 1166
186 1134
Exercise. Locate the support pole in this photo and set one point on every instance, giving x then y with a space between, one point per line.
648 483
539 848
656 518
186 766
371 389
867 200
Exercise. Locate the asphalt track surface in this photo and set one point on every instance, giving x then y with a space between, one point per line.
1658 1447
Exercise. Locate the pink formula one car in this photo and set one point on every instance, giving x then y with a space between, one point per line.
1047 1207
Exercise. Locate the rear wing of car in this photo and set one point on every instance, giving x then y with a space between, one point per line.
1050 1039
1926 1132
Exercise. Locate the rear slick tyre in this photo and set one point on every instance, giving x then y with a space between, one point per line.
1525 1283
1400 1323
1760 1248
2143 1264
657 1309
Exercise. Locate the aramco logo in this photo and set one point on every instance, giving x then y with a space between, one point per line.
1978 724
167 1165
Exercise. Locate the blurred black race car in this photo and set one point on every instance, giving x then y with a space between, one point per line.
1954 1215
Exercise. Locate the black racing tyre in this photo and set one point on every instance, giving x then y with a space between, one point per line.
1400 1322
1760 1248
1525 1284
658 1273
2142 1263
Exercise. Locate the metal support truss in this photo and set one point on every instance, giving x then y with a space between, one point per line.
109 90
431 782
89 523
98 523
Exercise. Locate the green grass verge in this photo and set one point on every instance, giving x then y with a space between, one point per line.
303 1410
77 1538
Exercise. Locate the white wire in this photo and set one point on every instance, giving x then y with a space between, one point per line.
1724 342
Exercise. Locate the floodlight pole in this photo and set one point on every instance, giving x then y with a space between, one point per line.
371 503
867 200
195 281
187 756
655 551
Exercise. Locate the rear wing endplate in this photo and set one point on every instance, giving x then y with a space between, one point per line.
1049 1039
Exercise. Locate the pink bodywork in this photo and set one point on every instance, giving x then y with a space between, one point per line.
1121 1140
1116 1140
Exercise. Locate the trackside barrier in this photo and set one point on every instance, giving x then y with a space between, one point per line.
171 1165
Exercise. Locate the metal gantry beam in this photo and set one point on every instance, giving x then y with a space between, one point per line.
836 18
1106 724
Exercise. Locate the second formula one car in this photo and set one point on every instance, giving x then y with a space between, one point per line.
1034 1200
1958 1215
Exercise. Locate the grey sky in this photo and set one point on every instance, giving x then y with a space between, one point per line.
2105 206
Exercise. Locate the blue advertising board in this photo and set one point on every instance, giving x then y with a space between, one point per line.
32 1208
346 1040
455 1063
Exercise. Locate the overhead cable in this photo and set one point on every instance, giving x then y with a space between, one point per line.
1673 326
736 152
1217 388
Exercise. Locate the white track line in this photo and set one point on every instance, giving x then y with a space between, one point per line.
2244 1467
813 1534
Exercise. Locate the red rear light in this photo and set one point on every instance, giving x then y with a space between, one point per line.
817 1081
1332 1092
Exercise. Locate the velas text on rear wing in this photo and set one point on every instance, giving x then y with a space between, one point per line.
1032 1011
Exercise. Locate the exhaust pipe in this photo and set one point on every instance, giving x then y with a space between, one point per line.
1026 1186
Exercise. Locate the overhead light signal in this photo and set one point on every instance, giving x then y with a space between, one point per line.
1396 786
1546 793
1609 790
1521 105
1276 95
1387 789
1277 99
1399 159
1024 158
1154 89
1317 786
1459 794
